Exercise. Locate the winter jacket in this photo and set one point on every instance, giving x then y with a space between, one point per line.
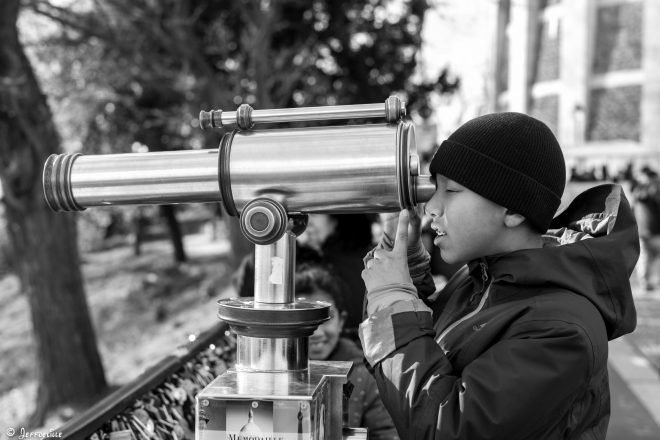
516 346
365 408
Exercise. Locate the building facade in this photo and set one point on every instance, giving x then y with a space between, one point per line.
590 69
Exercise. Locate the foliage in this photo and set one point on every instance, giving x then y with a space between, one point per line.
133 73
127 76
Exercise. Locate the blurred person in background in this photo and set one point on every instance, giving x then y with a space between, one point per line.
342 240
646 195
365 408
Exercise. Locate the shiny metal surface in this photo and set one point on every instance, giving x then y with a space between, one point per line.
271 354
146 178
392 109
320 113
294 385
273 329
274 270
299 318
264 221
321 385
321 169
56 183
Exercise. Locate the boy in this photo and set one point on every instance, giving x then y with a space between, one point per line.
515 346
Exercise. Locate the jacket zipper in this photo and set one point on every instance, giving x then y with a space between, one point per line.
485 289
484 280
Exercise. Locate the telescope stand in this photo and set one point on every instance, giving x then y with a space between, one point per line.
274 392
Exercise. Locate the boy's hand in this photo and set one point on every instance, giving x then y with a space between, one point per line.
390 267
390 221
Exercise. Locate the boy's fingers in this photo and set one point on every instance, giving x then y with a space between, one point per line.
389 223
401 241
415 221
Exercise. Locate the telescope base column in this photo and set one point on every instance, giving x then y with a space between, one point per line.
271 354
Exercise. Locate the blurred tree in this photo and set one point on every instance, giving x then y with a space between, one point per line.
43 244
156 64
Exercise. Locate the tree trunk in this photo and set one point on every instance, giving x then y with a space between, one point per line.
169 214
43 244
138 224
152 138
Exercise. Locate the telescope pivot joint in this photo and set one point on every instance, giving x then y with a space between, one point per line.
263 221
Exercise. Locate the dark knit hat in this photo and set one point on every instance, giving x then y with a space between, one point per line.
511 159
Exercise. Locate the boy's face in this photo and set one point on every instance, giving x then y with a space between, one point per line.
467 225
326 336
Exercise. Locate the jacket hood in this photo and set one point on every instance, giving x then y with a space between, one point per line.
591 250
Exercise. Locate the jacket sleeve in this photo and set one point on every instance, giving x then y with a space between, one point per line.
419 266
519 387
374 415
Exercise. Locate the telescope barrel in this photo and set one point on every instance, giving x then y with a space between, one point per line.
353 169
73 182
327 169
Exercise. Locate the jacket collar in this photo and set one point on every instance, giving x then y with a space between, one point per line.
591 250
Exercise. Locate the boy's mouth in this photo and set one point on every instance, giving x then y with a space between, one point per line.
437 230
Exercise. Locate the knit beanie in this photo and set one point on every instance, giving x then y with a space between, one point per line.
509 158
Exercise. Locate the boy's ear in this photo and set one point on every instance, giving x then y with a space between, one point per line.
513 219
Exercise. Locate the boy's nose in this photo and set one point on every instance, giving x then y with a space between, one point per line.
434 207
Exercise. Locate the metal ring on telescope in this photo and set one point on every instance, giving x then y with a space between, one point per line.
246 317
64 183
244 117
224 175
258 211
395 109
216 118
405 186
57 183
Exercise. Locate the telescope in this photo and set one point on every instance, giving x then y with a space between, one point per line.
271 179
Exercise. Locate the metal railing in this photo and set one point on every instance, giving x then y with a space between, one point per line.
97 419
